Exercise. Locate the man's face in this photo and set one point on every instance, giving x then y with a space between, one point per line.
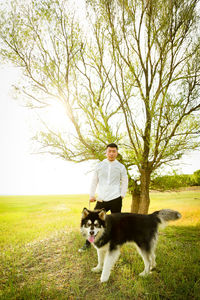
111 153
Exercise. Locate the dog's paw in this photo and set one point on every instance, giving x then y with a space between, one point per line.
96 270
153 267
144 273
104 279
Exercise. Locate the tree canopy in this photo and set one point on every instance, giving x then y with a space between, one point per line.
127 71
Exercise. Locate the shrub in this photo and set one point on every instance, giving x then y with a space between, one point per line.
170 182
196 177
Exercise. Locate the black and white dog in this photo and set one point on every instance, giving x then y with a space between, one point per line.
109 232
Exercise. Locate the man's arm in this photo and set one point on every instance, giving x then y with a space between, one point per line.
93 187
124 182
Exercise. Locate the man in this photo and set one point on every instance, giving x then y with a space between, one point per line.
111 178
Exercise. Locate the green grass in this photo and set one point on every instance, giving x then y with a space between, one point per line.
39 239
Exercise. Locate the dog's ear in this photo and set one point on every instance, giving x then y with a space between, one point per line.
102 215
85 213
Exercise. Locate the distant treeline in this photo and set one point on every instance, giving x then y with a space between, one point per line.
170 182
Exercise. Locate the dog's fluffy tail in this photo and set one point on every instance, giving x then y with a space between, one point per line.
166 215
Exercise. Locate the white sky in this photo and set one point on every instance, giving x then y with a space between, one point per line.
22 172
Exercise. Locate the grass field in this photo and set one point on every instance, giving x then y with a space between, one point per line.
39 259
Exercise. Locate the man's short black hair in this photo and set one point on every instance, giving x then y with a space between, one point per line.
112 145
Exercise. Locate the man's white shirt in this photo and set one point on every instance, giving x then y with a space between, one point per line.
111 179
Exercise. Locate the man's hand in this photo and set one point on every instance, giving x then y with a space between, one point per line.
93 199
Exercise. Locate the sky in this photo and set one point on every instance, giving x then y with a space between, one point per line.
25 172
22 170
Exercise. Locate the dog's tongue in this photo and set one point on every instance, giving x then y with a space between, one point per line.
91 239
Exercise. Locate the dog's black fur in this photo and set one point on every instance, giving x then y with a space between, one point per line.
109 232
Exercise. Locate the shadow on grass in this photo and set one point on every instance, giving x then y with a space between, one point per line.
54 269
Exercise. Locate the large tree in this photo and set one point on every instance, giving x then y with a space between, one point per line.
133 78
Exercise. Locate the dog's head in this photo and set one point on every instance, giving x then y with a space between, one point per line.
93 223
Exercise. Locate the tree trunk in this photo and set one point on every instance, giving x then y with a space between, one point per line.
144 196
135 202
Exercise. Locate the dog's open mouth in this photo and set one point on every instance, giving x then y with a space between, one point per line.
91 238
